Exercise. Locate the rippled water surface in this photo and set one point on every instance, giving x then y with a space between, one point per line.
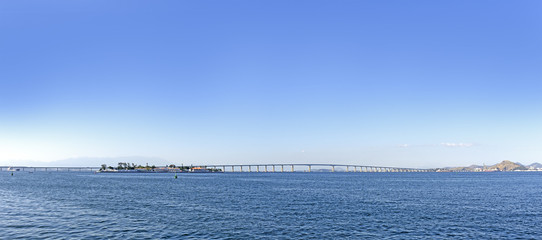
271 206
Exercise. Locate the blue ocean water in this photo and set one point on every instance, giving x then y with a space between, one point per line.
271 206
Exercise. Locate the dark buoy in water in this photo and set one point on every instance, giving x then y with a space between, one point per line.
175 175
11 174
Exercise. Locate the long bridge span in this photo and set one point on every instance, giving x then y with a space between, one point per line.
310 167
273 168
48 169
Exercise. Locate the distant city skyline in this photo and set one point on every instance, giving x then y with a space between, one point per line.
419 84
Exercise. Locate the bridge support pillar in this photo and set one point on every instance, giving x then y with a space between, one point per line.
265 168
273 168
281 168
292 168
309 168
249 168
332 168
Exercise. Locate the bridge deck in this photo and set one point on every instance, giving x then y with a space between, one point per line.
308 167
282 167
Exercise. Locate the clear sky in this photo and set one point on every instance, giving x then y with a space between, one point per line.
393 83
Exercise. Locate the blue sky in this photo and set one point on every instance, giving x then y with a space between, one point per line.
393 83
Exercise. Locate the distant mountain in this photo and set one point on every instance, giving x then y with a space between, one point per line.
94 162
112 161
502 166
507 166
534 165
460 169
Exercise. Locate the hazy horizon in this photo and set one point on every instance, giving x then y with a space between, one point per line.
390 83
150 161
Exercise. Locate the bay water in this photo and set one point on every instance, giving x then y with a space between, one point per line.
81 205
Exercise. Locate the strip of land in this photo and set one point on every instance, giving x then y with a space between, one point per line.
504 166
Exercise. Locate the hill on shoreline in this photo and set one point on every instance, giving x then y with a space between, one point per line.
503 166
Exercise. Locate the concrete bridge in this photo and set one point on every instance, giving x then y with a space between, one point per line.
286 167
308 167
49 169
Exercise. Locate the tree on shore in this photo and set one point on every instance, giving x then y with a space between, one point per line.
126 166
